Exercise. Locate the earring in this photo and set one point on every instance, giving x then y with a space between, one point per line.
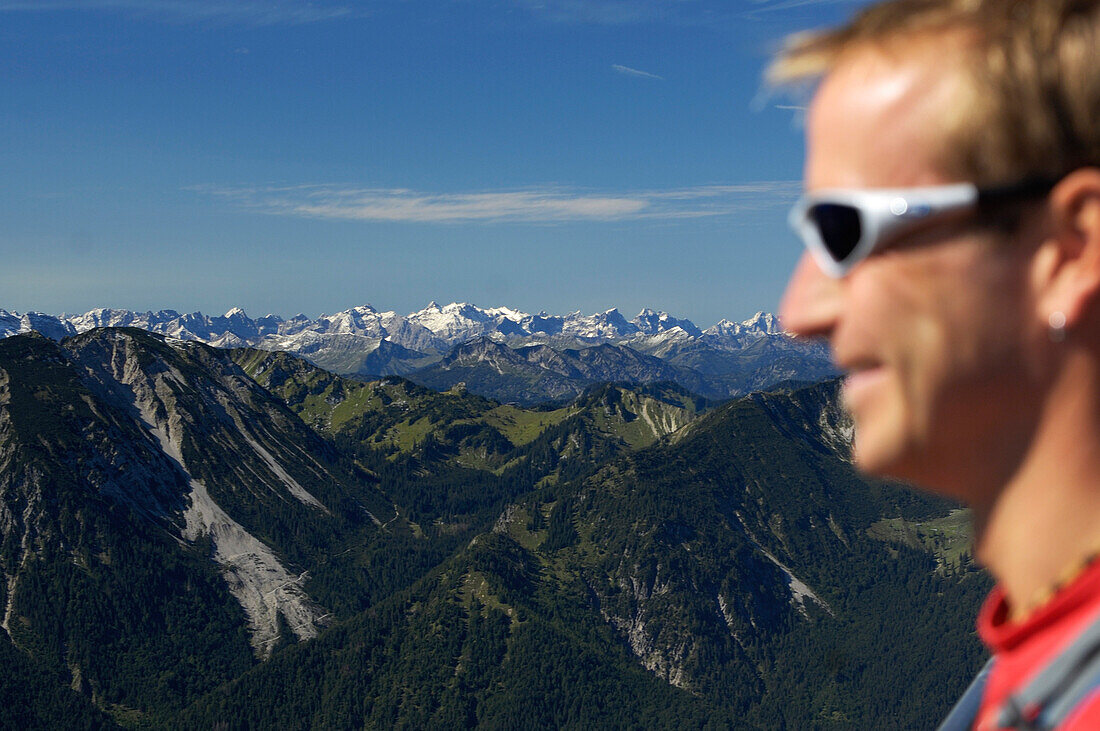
1057 322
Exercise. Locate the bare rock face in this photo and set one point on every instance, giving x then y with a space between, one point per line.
254 574
172 435
660 653
159 392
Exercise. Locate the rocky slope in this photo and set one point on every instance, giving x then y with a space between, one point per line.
157 471
201 537
733 563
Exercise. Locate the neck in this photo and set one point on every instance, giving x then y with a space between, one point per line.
1045 520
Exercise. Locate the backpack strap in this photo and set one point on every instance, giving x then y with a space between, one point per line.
1048 700
1057 690
965 711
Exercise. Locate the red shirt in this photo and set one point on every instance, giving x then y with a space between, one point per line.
1024 648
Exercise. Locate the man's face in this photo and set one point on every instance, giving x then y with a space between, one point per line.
931 329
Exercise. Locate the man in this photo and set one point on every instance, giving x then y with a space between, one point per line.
952 221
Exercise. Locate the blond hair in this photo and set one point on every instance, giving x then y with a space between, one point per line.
1031 78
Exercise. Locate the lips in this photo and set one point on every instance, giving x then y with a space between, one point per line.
861 380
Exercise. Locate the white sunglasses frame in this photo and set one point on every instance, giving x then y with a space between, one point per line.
883 213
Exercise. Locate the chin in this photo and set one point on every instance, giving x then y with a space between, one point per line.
904 461
883 453
886 444
871 462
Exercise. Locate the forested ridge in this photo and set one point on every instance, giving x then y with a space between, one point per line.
639 557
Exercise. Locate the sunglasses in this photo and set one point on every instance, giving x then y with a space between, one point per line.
841 227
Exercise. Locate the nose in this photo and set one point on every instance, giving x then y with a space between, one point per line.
812 302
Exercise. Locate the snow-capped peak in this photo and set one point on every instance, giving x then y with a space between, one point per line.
724 328
652 322
434 329
762 322
507 313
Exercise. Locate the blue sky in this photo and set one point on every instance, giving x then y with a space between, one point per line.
288 156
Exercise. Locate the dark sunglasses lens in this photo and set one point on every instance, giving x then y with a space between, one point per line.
839 226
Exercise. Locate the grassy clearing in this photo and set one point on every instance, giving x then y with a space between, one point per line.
358 401
641 420
406 435
519 528
947 538
521 426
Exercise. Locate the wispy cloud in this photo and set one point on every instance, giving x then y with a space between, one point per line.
764 6
672 12
272 12
635 72
533 205
605 12
785 4
252 12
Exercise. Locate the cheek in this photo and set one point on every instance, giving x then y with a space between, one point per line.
948 327
895 311
968 357
943 321
963 300
989 316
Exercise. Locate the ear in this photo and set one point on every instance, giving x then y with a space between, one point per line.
1067 264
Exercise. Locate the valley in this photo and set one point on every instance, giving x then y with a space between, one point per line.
199 537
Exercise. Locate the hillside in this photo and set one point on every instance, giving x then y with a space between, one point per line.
195 537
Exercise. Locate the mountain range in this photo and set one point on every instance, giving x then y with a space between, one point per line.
200 537
499 352
433 328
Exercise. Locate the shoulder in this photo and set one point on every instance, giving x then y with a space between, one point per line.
1086 715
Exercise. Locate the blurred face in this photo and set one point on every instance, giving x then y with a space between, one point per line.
932 329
